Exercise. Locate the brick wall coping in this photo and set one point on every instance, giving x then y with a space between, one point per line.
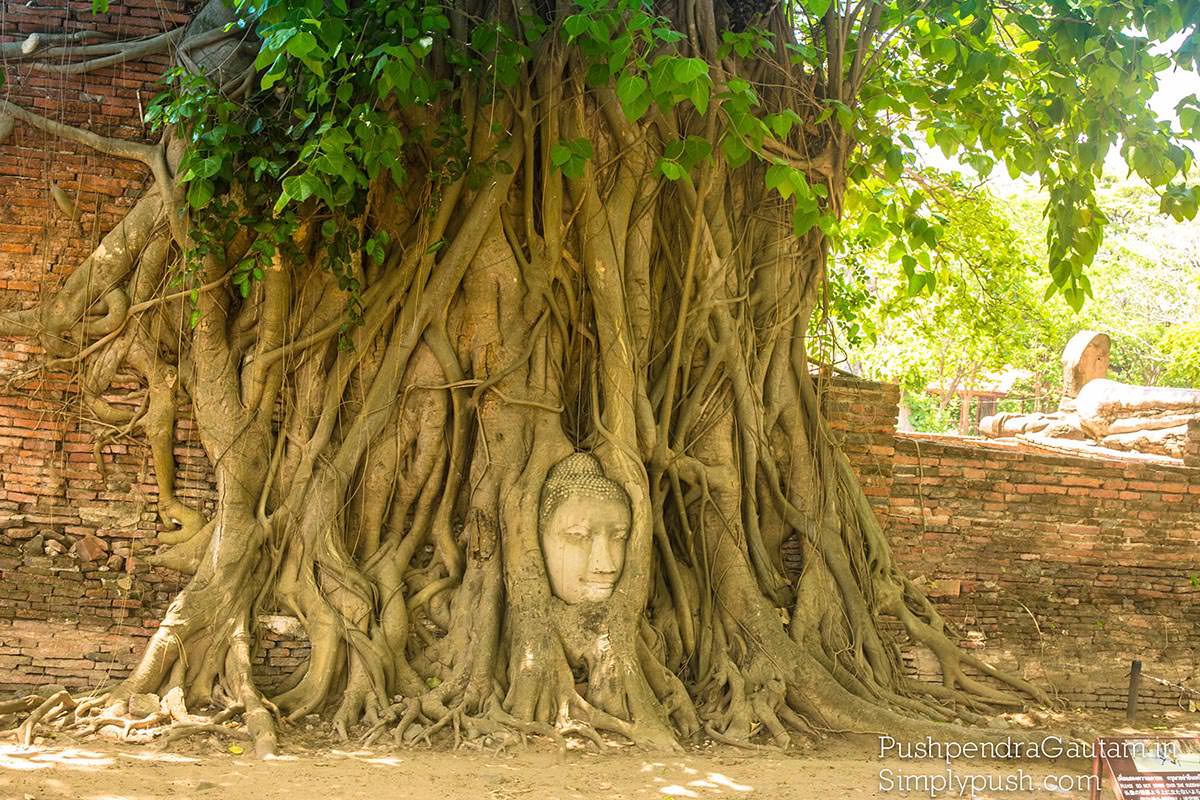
1011 448
824 379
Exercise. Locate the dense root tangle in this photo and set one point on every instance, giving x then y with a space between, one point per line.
386 493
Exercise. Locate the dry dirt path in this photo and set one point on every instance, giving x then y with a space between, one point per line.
97 771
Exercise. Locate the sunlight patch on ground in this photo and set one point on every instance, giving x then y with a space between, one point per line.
16 757
161 757
714 784
728 783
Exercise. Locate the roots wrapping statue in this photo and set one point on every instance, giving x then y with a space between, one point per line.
429 253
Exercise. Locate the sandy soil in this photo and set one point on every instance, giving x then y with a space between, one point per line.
208 770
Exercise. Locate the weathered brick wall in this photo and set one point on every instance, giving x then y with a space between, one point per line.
76 602
862 415
1063 567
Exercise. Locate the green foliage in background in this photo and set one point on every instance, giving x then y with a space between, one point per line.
988 312
1146 278
981 311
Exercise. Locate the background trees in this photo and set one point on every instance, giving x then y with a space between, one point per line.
988 313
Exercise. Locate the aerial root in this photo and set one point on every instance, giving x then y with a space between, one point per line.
737 741
415 721
177 732
51 708
26 703
120 727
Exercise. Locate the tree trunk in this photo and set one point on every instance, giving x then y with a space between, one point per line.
383 477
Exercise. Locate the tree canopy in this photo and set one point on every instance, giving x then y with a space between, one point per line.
1044 89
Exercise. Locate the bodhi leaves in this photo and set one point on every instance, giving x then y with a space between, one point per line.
1044 88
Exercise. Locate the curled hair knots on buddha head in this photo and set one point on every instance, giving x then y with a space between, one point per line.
577 474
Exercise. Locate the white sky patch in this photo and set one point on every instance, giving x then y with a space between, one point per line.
1174 84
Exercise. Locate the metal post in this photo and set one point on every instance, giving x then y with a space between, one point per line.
1135 678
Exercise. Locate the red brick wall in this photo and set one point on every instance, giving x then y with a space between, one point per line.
64 619
862 415
1063 567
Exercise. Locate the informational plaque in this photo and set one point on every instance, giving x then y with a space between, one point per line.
1147 769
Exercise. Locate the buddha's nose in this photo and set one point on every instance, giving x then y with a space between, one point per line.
601 559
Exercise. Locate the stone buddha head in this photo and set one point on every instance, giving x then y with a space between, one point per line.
583 523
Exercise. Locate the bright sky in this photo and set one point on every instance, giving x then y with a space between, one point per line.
1173 86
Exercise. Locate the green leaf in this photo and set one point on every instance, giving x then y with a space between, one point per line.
630 88
687 70
944 49
695 150
804 218
575 25
199 193
698 94
781 124
560 154
571 156
206 167
672 170
893 165
302 44
816 8
631 91
735 151
779 177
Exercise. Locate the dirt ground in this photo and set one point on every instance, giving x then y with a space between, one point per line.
307 768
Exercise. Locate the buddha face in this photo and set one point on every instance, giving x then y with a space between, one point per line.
583 542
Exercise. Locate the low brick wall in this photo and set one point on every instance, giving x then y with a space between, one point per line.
1064 568
862 415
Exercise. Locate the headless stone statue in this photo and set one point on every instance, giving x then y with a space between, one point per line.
1084 359
583 524
1096 411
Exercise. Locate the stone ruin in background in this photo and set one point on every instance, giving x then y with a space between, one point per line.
1101 416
